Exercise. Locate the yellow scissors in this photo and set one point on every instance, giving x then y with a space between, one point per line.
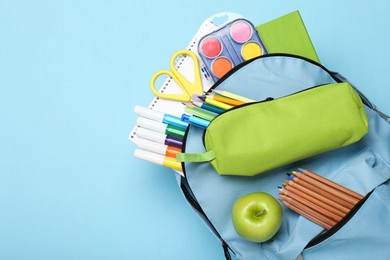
189 88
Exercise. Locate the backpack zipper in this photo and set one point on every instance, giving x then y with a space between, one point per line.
323 236
185 187
239 66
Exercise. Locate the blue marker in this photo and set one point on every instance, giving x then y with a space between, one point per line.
196 121
160 117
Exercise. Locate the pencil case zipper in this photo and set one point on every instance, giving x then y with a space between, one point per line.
268 99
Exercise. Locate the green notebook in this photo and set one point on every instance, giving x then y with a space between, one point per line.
287 34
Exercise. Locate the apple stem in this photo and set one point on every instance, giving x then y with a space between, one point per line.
258 214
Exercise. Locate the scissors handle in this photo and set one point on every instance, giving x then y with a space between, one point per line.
191 87
188 87
184 97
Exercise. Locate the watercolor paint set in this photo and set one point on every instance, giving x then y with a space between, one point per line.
230 45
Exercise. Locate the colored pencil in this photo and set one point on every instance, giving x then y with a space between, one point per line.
317 198
292 186
199 112
209 107
307 215
297 193
323 192
226 100
314 206
311 211
323 186
332 184
216 103
234 96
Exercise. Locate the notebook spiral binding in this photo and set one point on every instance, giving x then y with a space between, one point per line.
202 31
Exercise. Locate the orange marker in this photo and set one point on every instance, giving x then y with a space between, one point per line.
158 159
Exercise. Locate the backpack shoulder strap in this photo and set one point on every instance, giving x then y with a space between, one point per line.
365 100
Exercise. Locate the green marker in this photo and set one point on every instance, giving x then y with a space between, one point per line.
161 127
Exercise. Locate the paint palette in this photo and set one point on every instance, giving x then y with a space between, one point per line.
229 46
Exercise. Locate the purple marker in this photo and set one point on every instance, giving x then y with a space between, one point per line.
159 138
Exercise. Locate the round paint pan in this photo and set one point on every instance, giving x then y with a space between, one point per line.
220 66
241 31
251 50
211 47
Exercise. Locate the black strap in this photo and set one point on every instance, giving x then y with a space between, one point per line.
226 251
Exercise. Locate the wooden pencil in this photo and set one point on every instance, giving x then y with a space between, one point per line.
330 189
314 206
292 186
215 103
323 192
226 100
199 112
311 211
208 107
306 215
234 96
332 184
297 193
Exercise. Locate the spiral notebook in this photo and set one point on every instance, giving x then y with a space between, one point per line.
185 66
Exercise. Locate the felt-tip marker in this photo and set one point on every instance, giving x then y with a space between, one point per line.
159 138
162 149
158 159
161 127
196 121
159 116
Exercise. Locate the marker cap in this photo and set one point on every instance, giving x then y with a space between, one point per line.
149 156
151 124
185 118
173 120
149 113
152 146
151 135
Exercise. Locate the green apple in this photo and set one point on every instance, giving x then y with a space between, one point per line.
257 216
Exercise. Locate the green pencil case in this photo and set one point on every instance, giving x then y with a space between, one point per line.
260 136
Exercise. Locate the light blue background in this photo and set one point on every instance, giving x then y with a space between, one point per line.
71 73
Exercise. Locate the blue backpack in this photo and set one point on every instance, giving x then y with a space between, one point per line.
364 233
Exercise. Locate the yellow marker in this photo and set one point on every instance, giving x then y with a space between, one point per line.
158 159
